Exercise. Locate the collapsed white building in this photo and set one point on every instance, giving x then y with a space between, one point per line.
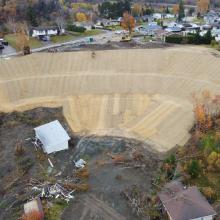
52 136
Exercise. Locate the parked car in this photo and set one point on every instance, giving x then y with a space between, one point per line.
3 42
1 46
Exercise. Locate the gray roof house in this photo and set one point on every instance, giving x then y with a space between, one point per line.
181 203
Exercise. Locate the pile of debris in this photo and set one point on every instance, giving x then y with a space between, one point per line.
49 190
137 199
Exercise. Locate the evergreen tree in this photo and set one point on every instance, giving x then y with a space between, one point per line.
194 168
197 38
207 37
31 16
181 13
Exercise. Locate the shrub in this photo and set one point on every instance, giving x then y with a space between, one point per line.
212 158
19 149
190 39
194 168
175 39
75 28
171 159
214 43
209 193
25 164
82 173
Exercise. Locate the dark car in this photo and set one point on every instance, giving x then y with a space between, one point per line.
1 46
5 43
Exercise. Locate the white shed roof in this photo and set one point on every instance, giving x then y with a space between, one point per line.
51 134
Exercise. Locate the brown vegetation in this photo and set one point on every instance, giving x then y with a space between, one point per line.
203 5
82 173
33 215
19 149
81 187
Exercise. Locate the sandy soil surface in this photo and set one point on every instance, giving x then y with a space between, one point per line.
141 93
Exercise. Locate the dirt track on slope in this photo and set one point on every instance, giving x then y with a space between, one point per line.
138 93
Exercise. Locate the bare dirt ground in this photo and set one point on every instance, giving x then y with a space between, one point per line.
136 93
108 180
113 45
107 176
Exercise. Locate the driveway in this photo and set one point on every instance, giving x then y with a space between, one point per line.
8 50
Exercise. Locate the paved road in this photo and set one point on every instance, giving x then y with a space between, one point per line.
100 38
8 50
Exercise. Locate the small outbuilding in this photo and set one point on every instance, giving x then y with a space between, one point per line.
34 206
52 136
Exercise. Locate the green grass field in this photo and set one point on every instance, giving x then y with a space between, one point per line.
62 38
74 35
12 40
35 43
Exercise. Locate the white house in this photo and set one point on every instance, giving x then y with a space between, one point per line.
86 24
45 31
169 16
52 136
174 24
217 38
157 16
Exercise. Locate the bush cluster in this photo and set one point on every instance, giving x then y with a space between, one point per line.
75 28
190 39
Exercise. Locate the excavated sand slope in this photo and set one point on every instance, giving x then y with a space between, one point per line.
144 94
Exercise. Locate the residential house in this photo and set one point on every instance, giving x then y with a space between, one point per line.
108 22
175 24
169 16
216 33
150 28
185 203
147 18
158 15
173 29
42 32
88 25
211 16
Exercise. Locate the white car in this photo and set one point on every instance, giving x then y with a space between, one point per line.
118 32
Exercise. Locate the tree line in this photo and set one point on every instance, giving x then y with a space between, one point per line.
114 9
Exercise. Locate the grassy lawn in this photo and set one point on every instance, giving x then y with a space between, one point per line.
62 38
92 32
35 43
147 38
12 38
74 35
115 28
199 21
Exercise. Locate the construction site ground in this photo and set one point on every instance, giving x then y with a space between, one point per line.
114 164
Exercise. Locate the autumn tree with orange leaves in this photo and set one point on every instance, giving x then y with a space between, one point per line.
136 10
176 9
22 39
203 112
80 16
128 22
203 5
